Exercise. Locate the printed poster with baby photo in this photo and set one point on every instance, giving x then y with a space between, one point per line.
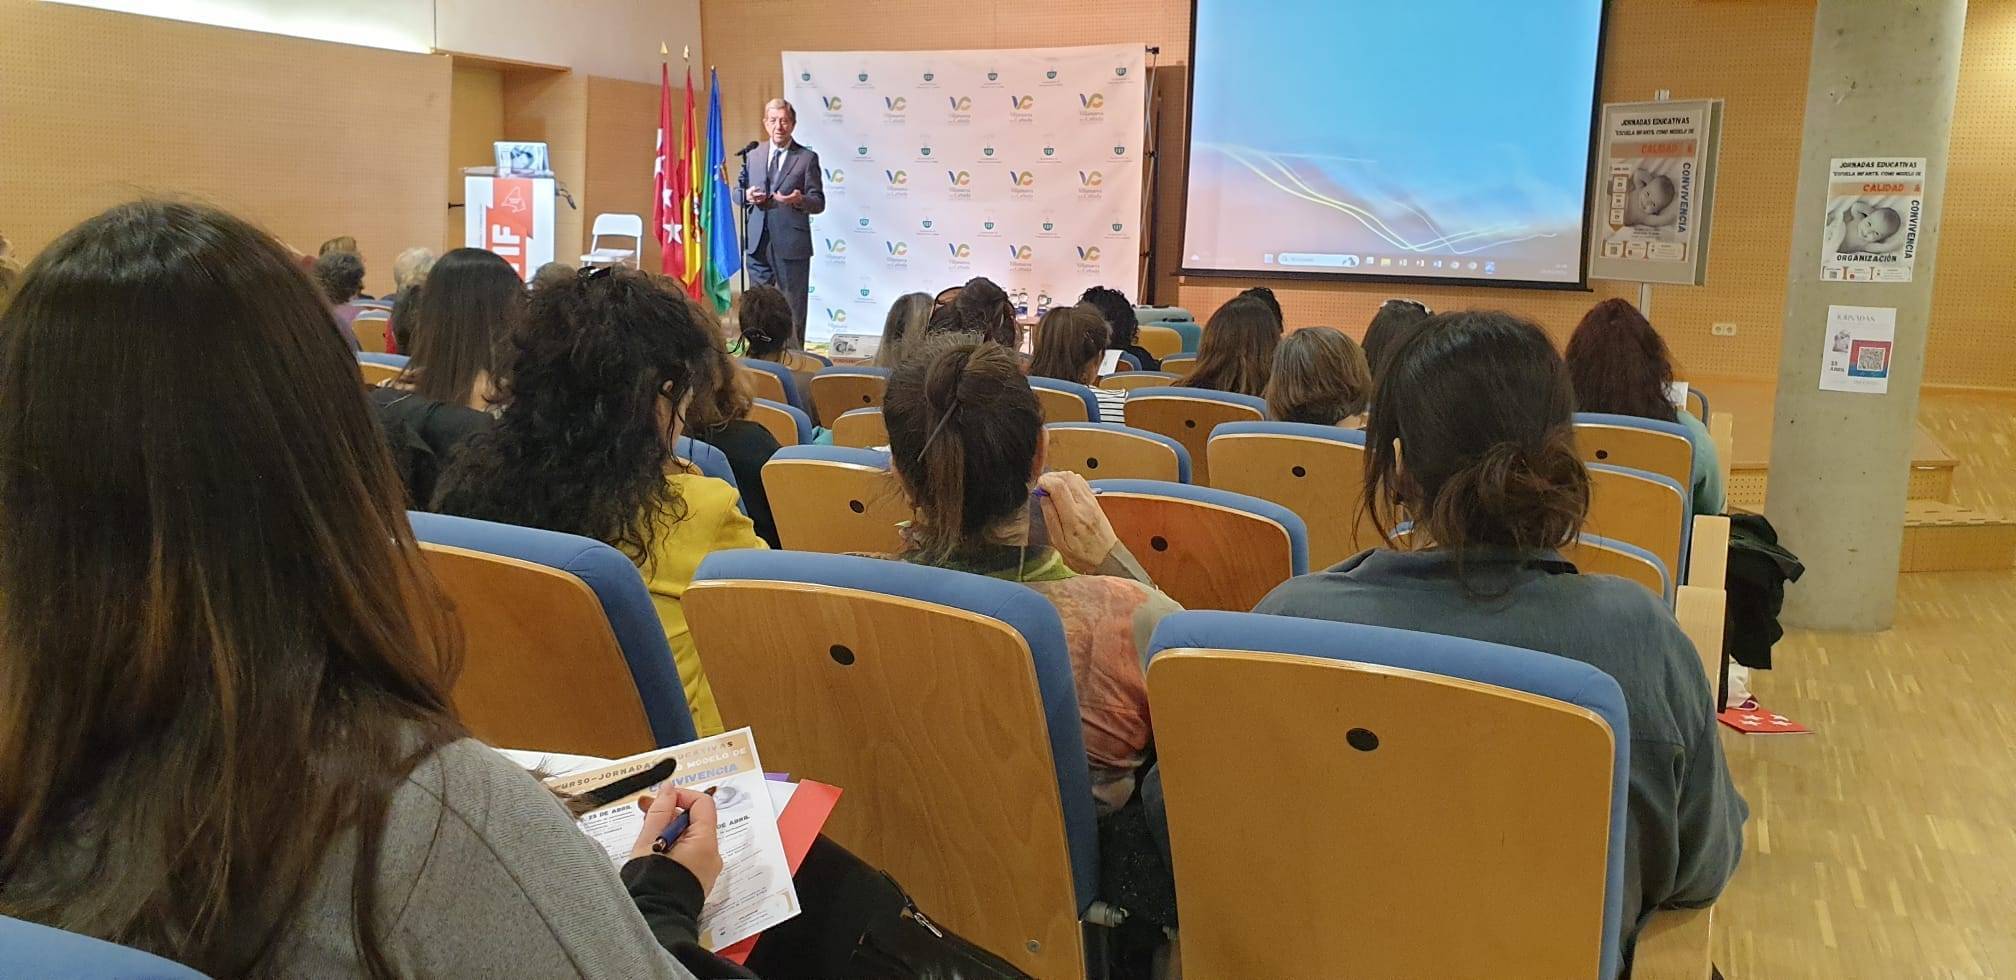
1654 194
1874 205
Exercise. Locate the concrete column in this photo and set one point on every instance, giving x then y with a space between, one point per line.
1881 83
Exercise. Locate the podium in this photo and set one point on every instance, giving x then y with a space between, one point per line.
511 216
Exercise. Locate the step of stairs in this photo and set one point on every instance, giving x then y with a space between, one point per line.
1942 537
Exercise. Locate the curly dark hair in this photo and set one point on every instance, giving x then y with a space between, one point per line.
580 447
1118 311
341 276
765 322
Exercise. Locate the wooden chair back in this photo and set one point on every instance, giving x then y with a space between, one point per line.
862 428
1639 448
836 392
369 329
777 418
763 384
544 670
1180 365
1159 341
1593 555
827 502
1188 420
930 718
1097 451
1414 795
1204 554
1319 477
377 374
1061 406
1642 509
1129 379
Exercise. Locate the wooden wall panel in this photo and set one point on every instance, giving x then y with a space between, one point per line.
475 121
554 108
308 138
1973 299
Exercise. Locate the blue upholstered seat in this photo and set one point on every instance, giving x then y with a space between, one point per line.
1070 388
801 421
1534 673
30 951
617 585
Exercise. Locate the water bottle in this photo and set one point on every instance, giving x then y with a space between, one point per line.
1042 302
1021 298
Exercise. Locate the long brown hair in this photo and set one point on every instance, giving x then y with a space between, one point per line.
1237 352
1069 342
727 395
1619 363
463 319
219 649
1484 415
1319 377
964 431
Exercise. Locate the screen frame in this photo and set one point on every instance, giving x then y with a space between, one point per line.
1579 284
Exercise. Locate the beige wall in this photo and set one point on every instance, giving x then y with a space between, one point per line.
310 139
1753 54
622 143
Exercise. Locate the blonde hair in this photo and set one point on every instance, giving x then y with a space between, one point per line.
412 266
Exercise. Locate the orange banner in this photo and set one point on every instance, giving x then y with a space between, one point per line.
508 224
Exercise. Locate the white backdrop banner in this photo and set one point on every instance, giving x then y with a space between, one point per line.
1023 166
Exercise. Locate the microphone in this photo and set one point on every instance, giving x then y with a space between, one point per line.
743 152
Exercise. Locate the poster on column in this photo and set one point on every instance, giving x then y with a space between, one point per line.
1873 209
1656 191
1857 353
1020 165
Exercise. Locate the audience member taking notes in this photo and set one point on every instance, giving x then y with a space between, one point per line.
599 387
1472 436
228 739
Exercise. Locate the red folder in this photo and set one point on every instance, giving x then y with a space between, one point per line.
799 826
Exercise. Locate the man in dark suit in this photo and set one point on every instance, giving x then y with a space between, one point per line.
784 193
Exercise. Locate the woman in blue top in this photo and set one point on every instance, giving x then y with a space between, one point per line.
1619 366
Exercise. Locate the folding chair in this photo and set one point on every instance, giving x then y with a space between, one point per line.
1206 548
1064 401
566 652
1102 451
629 226
1422 773
787 425
838 390
835 499
862 428
1188 415
944 703
1317 471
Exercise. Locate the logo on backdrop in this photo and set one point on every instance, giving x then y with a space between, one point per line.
1020 253
804 76
835 176
1049 229
836 317
924 154
1050 78
1021 103
962 105
896 178
832 103
1049 154
929 76
1120 71
901 249
926 227
861 155
1119 153
961 182
1022 179
960 252
1091 101
1088 258
987 154
894 105
987 229
993 76
836 247
861 80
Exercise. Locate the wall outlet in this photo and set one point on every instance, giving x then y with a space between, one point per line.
1723 330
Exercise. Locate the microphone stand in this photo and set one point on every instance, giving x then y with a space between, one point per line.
742 202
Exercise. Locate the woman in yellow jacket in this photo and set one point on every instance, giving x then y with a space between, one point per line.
598 384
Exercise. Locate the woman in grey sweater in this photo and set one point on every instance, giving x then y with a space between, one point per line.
225 734
1472 438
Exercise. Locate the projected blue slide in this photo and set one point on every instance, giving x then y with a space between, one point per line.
1419 138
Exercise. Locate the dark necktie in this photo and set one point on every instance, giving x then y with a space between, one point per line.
776 159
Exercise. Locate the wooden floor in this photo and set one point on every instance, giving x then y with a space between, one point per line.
1885 845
